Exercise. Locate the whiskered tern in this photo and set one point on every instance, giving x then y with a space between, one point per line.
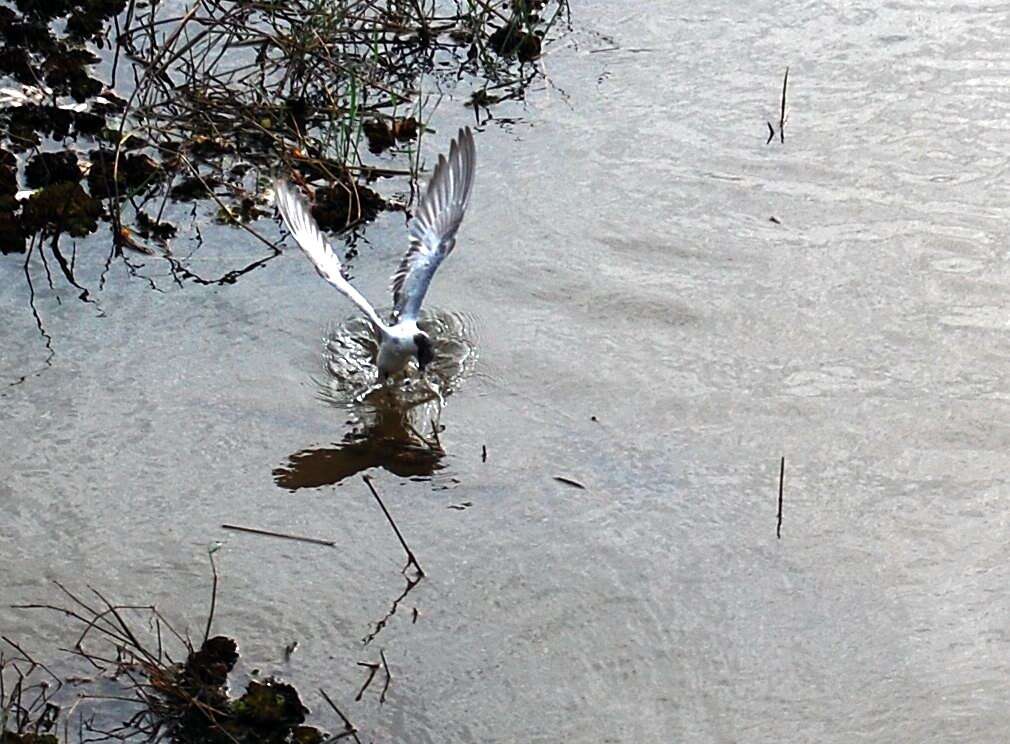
432 233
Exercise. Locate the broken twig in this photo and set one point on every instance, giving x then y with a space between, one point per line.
371 675
569 482
411 560
349 728
389 677
213 592
299 538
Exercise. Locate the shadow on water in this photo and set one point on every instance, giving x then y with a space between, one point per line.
384 438
395 427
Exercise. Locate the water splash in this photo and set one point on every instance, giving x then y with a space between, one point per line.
394 426
349 358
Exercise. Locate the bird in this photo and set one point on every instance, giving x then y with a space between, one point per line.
432 232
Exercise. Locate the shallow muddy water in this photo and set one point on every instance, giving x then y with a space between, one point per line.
640 325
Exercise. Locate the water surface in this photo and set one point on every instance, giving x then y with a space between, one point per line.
643 327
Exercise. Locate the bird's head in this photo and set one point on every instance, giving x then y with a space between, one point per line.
425 353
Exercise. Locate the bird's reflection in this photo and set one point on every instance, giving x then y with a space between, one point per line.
395 427
385 437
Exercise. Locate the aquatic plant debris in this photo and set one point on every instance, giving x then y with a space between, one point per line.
131 648
569 482
269 533
223 94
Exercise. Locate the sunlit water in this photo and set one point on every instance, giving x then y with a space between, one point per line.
647 330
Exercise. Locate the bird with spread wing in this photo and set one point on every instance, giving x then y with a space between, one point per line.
432 237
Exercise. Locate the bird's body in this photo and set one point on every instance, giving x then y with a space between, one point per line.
396 347
432 237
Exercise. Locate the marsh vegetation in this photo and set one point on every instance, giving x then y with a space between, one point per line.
122 113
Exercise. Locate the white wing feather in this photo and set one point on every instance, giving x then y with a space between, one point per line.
305 231
434 225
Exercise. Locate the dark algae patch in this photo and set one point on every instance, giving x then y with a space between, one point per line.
61 208
344 204
115 174
47 168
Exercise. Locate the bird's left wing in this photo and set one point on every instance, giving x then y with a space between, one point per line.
305 231
433 227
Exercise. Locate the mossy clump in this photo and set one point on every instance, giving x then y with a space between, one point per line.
306 735
195 696
382 135
512 40
12 237
105 180
14 61
52 167
270 704
23 33
8 177
341 205
88 22
26 123
150 228
85 19
44 10
211 665
191 188
66 73
62 208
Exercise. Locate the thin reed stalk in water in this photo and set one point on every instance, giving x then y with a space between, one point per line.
782 478
411 560
782 113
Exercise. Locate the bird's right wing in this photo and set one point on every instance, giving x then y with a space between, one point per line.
434 225
305 231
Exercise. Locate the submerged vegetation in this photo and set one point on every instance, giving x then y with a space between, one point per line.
117 111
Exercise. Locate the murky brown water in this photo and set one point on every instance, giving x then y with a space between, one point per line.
618 262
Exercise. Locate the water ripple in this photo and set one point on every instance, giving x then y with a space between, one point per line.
349 360
393 426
